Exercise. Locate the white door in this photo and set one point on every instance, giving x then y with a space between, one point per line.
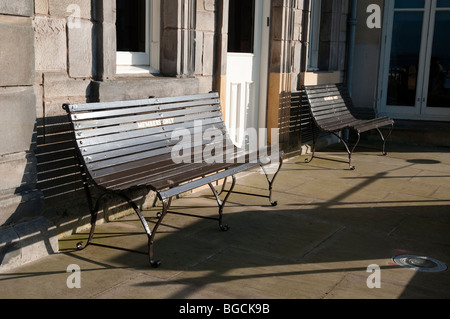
415 72
247 57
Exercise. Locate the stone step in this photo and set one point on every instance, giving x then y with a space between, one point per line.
426 133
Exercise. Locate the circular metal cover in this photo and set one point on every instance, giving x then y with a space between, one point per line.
420 263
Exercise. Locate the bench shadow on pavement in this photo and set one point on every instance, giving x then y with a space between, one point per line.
293 244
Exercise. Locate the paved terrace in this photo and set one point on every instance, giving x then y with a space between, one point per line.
330 225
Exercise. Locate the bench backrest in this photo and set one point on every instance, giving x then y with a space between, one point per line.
120 142
330 104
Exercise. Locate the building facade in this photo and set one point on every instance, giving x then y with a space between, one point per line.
393 55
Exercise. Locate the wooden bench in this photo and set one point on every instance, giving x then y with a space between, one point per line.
332 111
127 145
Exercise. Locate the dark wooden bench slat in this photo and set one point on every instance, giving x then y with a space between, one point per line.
129 160
97 123
141 149
135 126
318 105
333 114
156 178
157 139
183 174
140 145
369 125
93 141
162 162
145 167
121 104
149 172
81 116
162 156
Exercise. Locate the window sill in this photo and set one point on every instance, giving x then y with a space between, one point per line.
322 77
135 70
141 86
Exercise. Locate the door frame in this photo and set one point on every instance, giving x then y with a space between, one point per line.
260 66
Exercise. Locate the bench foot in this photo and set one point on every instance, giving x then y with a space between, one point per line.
309 160
150 233
94 213
313 148
384 139
224 227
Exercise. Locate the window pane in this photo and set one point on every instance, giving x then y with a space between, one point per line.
401 4
241 18
443 4
130 25
406 39
439 82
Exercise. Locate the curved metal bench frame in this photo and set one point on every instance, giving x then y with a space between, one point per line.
127 145
333 112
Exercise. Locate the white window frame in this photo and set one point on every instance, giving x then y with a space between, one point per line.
314 35
144 62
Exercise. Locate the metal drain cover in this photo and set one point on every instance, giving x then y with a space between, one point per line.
420 263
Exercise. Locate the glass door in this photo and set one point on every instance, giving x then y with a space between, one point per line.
417 56
436 94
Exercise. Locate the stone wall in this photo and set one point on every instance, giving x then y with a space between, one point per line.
17 111
65 56
65 67
206 47
287 51
24 234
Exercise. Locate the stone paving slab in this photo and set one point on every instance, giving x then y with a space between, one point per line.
330 225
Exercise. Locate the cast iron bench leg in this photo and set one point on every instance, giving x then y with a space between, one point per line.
94 214
221 203
313 151
353 149
348 149
150 233
384 139
271 181
223 185
151 236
